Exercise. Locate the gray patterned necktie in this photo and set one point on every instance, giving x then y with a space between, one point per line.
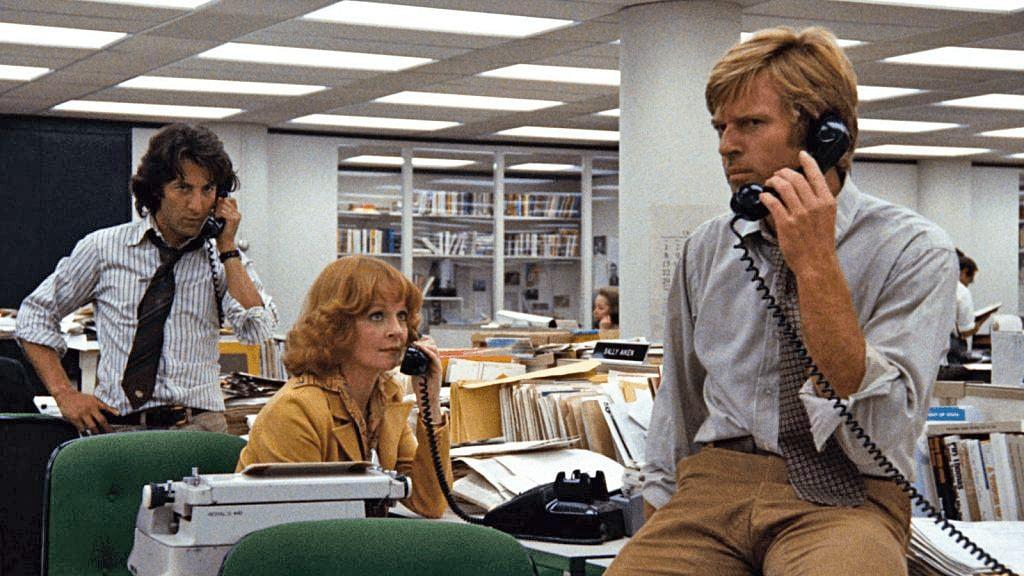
827 477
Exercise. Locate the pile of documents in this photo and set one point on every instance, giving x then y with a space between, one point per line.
491 474
934 553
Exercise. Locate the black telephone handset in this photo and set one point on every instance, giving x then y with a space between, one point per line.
828 139
415 362
213 227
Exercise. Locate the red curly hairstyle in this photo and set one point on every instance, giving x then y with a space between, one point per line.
346 289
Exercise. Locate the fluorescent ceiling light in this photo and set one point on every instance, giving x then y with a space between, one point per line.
993 101
182 4
613 112
398 161
435 19
545 167
561 133
1007 133
373 122
219 86
843 43
467 101
54 36
1021 155
23 73
960 57
489 183
312 57
571 74
606 187
133 109
874 125
903 150
869 93
967 5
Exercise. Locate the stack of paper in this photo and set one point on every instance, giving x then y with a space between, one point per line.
934 552
489 479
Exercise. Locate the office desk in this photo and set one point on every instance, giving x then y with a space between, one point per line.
552 559
88 358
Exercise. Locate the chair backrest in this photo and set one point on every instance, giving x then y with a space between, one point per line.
94 487
15 390
377 546
26 441
1006 323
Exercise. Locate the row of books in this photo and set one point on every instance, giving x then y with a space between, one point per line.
469 243
272 358
443 203
369 241
542 205
978 475
565 244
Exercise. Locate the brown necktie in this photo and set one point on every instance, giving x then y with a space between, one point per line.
826 477
147 347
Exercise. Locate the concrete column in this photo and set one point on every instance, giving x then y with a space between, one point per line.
671 176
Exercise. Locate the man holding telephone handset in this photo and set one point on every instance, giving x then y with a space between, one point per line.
758 474
161 287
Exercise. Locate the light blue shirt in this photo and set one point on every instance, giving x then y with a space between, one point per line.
721 374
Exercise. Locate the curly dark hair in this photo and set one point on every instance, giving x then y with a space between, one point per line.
168 149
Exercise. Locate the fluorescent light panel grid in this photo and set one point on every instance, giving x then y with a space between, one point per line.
570 74
398 161
467 101
843 43
134 109
961 57
373 122
907 126
55 36
966 5
904 150
990 101
869 93
311 57
435 19
613 112
1007 133
1021 155
544 167
23 73
181 4
560 133
218 86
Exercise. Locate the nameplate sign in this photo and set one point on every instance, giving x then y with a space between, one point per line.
622 351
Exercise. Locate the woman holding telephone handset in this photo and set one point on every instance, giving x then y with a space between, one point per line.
341 402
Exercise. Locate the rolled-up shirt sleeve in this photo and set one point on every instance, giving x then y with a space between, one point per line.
256 324
906 336
679 408
70 286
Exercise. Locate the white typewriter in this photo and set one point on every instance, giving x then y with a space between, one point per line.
188 526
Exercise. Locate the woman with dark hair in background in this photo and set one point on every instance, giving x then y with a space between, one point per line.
606 309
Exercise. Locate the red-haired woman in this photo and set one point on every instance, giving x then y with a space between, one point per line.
341 403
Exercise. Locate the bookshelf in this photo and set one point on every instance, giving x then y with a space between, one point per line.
489 232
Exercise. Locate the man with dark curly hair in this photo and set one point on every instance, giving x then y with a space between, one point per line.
161 287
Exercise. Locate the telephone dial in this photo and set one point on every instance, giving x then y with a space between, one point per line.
828 139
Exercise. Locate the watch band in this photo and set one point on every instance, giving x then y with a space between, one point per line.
225 256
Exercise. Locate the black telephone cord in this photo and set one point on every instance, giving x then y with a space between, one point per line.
876 454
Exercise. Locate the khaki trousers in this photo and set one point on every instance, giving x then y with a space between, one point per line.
735 513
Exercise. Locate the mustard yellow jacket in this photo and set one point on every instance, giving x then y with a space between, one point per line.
306 421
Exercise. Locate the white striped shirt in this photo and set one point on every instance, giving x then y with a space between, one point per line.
112 268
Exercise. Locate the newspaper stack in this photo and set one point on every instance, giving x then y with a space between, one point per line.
934 553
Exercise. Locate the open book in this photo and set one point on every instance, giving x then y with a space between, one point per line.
987 310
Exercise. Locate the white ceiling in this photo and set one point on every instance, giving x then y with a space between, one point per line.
164 42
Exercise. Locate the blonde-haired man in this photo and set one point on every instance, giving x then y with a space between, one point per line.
757 474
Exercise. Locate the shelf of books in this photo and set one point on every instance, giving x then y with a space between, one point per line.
369 213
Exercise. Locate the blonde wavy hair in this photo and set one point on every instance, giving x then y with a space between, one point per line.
810 70
345 290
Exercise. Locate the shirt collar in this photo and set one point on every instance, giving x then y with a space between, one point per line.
144 225
847 203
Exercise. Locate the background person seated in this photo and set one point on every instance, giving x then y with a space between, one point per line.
606 309
341 403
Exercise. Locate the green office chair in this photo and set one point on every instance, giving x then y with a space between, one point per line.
26 442
377 546
94 486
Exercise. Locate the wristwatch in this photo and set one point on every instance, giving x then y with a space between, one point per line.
225 256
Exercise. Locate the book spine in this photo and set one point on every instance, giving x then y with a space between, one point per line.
943 485
989 462
956 477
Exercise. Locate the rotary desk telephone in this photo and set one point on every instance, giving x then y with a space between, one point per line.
573 509
828 139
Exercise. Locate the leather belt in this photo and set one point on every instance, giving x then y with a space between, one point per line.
157 417
743 444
